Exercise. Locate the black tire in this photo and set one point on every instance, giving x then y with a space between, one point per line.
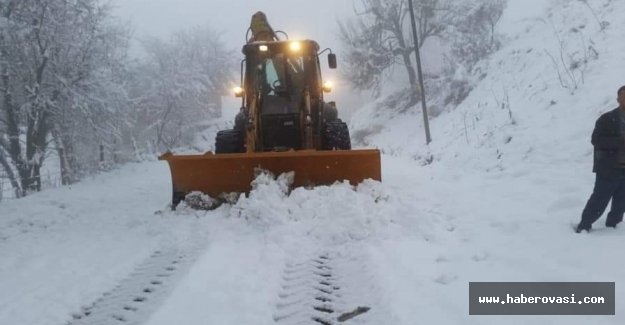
336 136
229 141
330 113
239 122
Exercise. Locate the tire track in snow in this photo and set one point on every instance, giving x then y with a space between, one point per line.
134 299
308 290
328 287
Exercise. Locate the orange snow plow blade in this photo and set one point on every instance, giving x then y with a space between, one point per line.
214 174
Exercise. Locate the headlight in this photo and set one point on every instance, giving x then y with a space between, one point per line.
238 91
295 46
263 48
327 86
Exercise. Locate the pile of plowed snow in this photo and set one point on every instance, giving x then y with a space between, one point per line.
336 213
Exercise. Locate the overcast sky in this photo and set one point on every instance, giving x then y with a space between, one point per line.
314 19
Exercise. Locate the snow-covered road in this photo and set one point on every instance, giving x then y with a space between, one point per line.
406 248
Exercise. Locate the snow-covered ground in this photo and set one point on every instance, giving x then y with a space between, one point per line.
497 203
406 248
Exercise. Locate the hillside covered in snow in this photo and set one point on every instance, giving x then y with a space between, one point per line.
534 101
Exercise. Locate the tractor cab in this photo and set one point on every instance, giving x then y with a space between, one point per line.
282 79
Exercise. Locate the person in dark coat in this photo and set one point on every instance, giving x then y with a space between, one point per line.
608 139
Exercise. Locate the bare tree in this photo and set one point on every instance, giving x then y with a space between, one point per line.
91 98
473 34
67 88
25 43
53 53
379 39
180 84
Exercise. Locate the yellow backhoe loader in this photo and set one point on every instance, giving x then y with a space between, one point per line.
284 125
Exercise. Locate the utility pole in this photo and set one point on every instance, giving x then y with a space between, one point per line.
426 122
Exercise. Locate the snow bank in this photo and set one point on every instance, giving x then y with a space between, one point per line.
337 213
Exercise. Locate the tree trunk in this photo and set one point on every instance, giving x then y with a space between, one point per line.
67 175
4 162
412 77
405 54
36 145
30 178
73 166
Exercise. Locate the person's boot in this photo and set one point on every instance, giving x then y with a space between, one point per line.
582 227
613 220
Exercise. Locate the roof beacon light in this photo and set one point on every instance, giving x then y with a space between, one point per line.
295 46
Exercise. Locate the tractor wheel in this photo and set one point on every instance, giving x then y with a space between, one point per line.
336 136
330 113
229 141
